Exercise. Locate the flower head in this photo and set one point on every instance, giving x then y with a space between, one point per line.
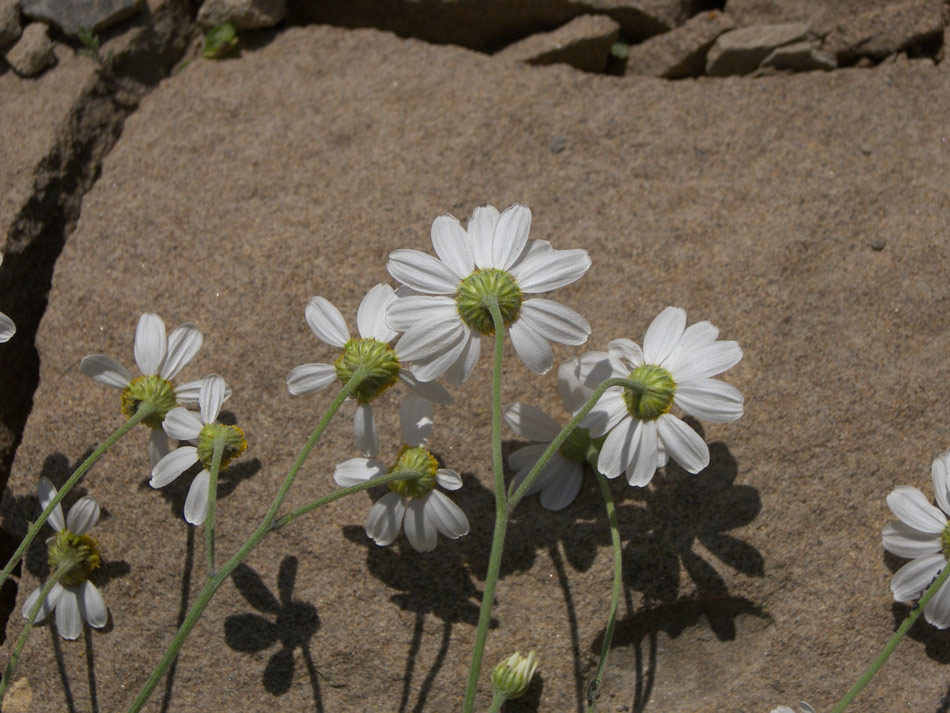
184 425
159 359
74 598
674 367
413 503
512 676
370 350
444 312
922 534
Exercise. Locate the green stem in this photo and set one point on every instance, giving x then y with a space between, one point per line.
212 499
894 640
145 410
30 619
212 584
497 701
501 512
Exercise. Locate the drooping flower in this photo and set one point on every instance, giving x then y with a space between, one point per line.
184 425
371 349
159 359
412 503
921 533
675 366
74 598
443 313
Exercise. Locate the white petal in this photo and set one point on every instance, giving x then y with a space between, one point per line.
415 420
703 362
531 423
607 413
710 399
92 606
419 529
326 322
357 470
481 228
911 507
68 617
940 471
422 272
196 504
594 368
47 491
628 351
105 370
446 516
510 236
697 335
905 541
526 456
157 446
405 312
187 393
7 328
619 448
549 270
48 604
173 465
448 479
647 457
937 611
182 424
149 343
434 366
462 368
452 246
910 581
533 349
563 487
83 515
555 322
211 397
684 445
183 343
430 337
434 392
663 334
385 518
310 378
364 430
569 385
371 315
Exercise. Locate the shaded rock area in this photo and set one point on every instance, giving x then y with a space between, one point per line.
680 52
803 214
33 52
10 27
583 43
880 32
93 15
801 56
821 15
741 51
243 14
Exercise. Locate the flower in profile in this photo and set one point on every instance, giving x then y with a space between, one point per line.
413 503
74 598
370 349
7 327
159 359
184 425
444 315
922 534
511 678
675 366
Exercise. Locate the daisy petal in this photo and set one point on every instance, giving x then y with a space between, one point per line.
422 272
703 362
105 370
462 368
157 446
434 392
569 385
607 413
481 228
326 322
905 541
913 578
531 423
371 315
196 504
533 349
183 343
47 491
940 471
452 246
92 607
525 457
563 487
430 337
415 420
549 270
310 378
420 531
211 397
937 611
555 322
149 344
663 335
48 604
364 430
710 399
385 518
627 350
405 312
83 515
912 508
173 465
619 448
182 424
448 479
647 457
684 445
7 328
510 236
357 470
68 617
446 516
433 367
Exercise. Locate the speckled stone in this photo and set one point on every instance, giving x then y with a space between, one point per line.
94 15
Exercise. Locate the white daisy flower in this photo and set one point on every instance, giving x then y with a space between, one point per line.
74 598
443 315
674 366
413 504
371 348
159 359
7 327
184 425
805 708
922 534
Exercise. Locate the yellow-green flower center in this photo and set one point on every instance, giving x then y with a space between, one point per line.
576 446
80 552
657 394
153 389
480 284
380 362
421 461
234 443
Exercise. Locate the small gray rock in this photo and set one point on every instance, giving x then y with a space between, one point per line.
884 31
33 52
584 42
558 144
9 21
742 51
801 56
681 52
94 15
243 14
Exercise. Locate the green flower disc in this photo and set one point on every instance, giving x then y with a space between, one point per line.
480 284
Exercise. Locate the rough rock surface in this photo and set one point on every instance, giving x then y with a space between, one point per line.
801 56
33 52
681 52
94 15
244 14
741 51
583 43
241 188
9 21
820 15
880 32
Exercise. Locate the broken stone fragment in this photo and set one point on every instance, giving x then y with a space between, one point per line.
640 19
742 51
94 15
681 52
884 31
243 14
33 52
9 21
584 43
800 57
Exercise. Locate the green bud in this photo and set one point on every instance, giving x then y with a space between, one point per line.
377 358
512 676
421 461
481 283
656 397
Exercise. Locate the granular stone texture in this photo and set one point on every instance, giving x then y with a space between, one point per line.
880 32
10 27
241 188
33 52
741 51
243 14
583 43
93 15
681 52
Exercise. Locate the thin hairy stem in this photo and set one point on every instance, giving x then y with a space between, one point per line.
212 500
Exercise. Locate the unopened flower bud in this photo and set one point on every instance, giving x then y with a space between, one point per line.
512 676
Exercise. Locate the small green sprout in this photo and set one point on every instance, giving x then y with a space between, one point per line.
219 41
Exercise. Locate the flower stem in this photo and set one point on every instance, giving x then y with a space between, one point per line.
212 500
894 640
30 619
497 701
502 510
145 410
215 581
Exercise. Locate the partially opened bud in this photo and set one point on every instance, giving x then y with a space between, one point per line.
512 676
